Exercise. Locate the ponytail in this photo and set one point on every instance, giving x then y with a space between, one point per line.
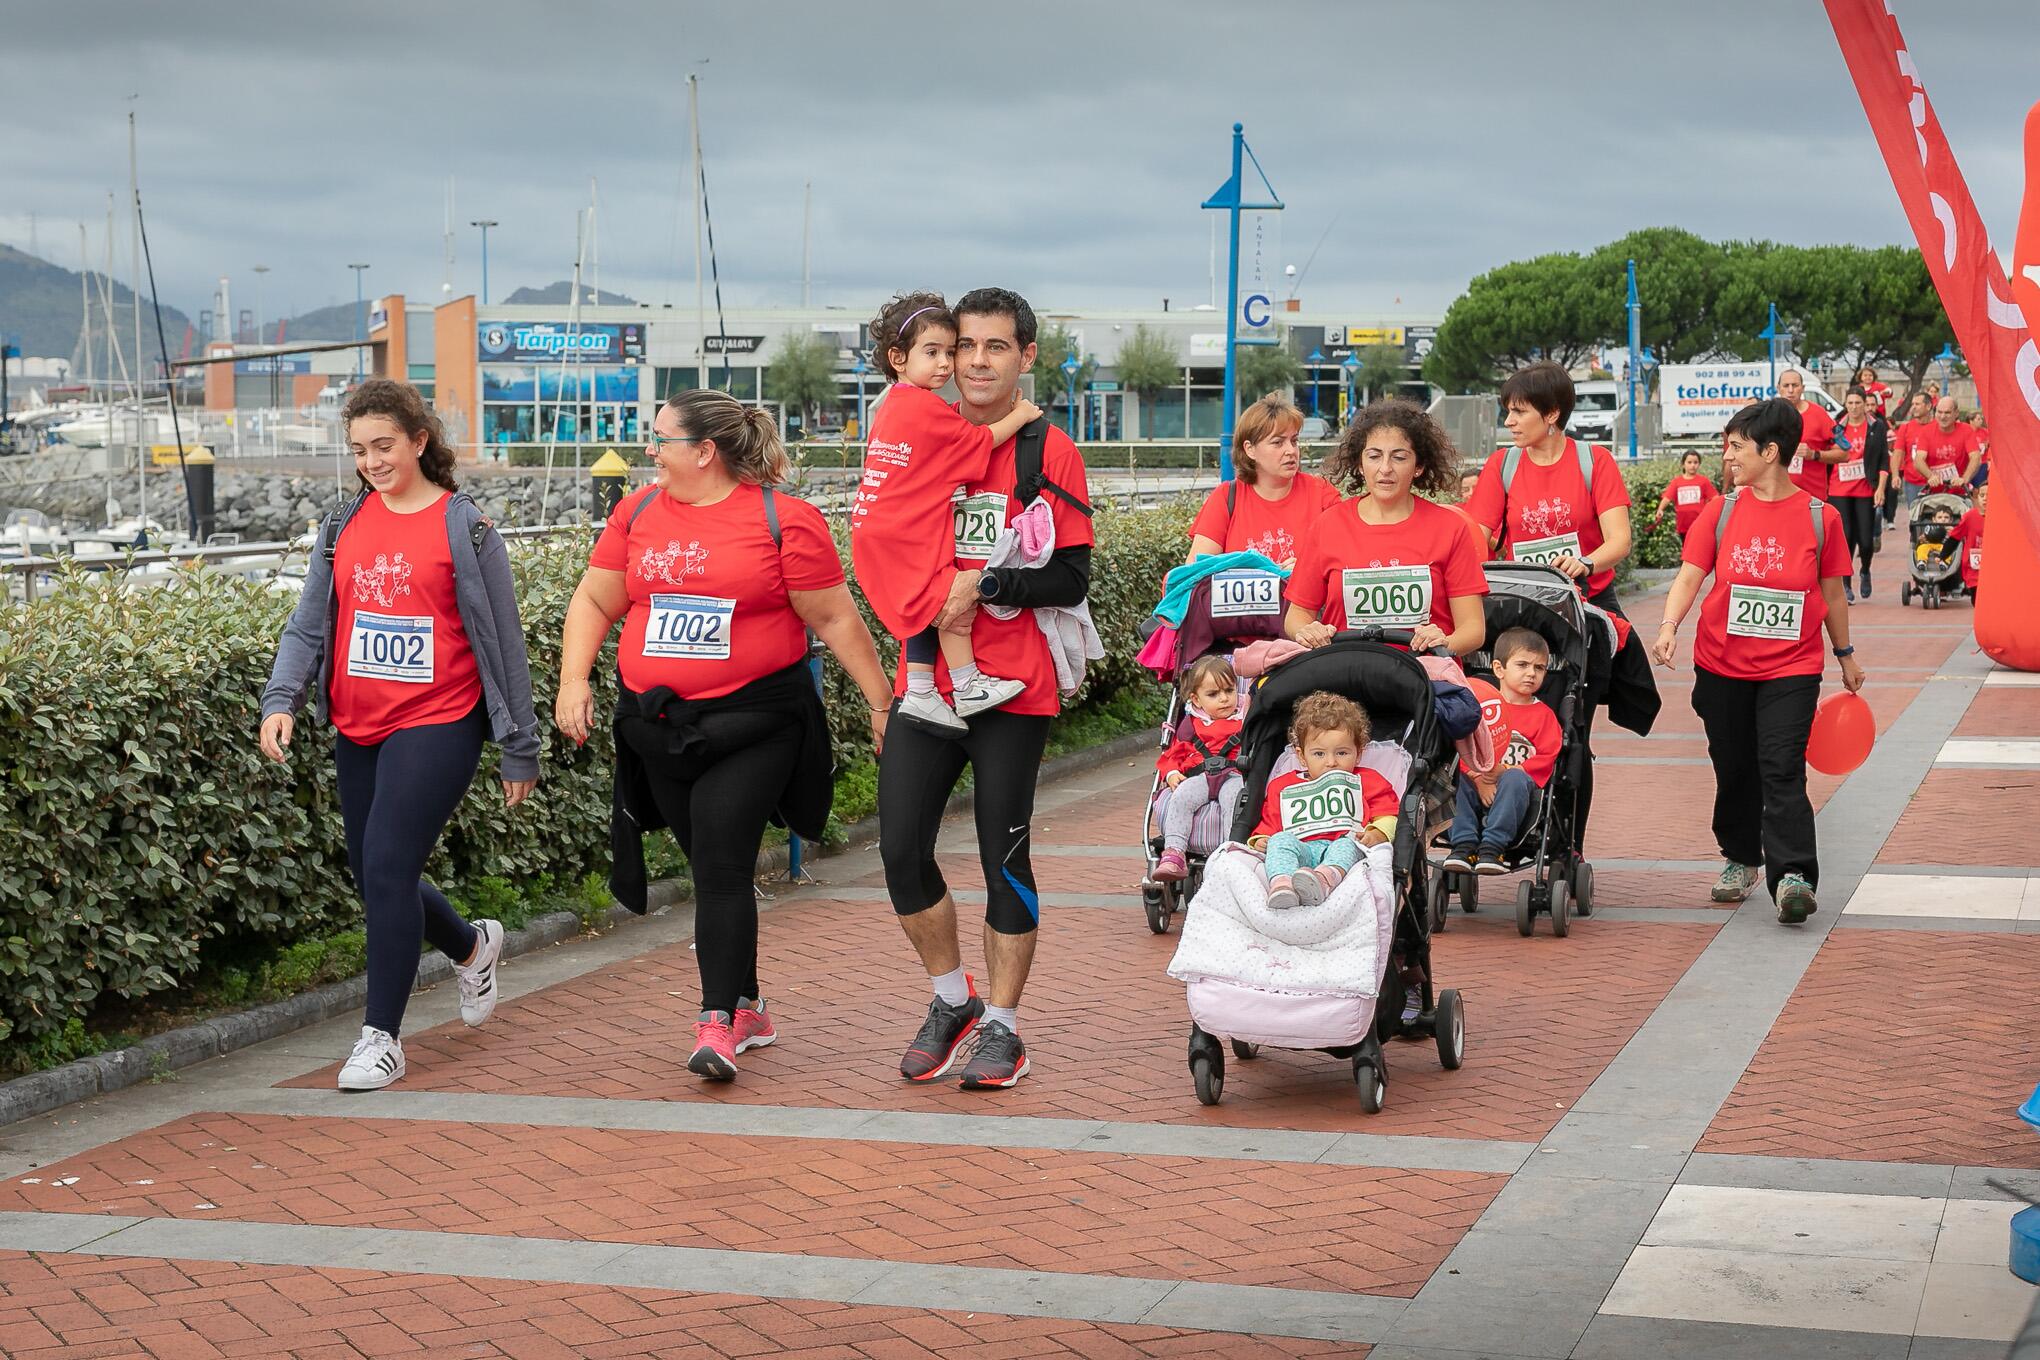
746 438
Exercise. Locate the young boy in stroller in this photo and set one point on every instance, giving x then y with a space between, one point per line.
1316 819
1495 808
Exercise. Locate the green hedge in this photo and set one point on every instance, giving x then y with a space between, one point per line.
145 834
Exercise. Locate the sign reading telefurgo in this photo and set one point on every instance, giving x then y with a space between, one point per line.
1699 398
525 342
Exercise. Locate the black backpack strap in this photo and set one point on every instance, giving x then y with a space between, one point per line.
644 504
1232 498
772 516
1029 455
337 521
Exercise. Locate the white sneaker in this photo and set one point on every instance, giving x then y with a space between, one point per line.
928 710
478 979
376 1061
989 692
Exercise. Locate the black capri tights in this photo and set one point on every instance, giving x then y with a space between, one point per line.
1859 519
915 778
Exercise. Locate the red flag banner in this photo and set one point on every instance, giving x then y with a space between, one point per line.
1993 328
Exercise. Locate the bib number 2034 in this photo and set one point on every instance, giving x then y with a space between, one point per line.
1320 806
1759 612
689 627
1396 597
390 647
1245 594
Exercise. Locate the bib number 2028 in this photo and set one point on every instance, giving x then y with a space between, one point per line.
979 519
689 627
390 647
1394 597
1245 594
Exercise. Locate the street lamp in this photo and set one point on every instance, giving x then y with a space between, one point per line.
360 319
1946 359
260 270
1317 356
1352 367
485 223
1069 368
860 368
1769 335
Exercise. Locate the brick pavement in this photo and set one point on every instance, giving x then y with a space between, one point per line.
60 1307
2002 713
1963 817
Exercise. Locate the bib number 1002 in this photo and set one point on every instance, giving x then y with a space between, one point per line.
390 647
693 627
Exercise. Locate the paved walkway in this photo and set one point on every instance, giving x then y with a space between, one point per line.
1682 1131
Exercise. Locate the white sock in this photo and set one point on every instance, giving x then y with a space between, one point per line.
952 988
920 682
1009 1016
965 675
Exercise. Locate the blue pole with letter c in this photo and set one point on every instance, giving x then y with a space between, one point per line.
1635 353
1230 199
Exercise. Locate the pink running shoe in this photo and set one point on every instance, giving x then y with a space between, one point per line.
715 1047
753 1029
1171 867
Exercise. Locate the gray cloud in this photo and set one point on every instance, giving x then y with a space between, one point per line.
1061 148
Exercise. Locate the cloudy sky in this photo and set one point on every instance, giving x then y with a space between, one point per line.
1061 148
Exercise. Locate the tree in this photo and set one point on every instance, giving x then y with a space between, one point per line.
802 374
1050 383
1261 369
1147 364
1508 317
1382 370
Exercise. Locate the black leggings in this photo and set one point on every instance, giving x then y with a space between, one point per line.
1859 526
717 807
915 778
395 798
1606 602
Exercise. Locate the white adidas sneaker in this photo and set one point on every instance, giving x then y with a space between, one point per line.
477 980
376 1061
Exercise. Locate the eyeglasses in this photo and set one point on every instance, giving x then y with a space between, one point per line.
656 441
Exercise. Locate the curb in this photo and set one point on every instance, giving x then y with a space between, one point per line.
161 1054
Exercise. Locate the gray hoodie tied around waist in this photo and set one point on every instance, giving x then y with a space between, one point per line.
488 612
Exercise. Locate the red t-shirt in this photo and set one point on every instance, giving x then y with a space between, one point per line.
1817 432
1548 511
1880 396
403 658
1904 439
1213 732
1351 573
1766 586
1377 799
708 609
1850 477
904 521
1274 529
1529 740
1947 450
1688 496
1970 534
1014 648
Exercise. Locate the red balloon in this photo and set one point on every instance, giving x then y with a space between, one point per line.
1843 732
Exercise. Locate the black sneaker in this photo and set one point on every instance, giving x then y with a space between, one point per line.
934 1049
1460 861
1488 863
997 1059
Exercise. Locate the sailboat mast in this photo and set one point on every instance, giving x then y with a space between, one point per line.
700 294
807 212
135 250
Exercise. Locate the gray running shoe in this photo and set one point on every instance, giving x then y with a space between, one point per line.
1795 899
1735 882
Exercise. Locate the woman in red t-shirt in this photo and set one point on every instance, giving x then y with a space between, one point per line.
1778 560
1685 495
1968 537
1857 484
408 623
1270 503
1390 558
1547 507
718 580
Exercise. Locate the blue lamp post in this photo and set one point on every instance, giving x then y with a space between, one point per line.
1317 356
1946 359
1069 368
1769 335
860 368
1352 367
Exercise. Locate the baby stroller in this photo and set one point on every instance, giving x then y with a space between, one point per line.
1544 600
1937 574
1351 1019
1248 608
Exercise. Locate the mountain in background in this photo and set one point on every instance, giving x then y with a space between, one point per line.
41 310
321 323
561 293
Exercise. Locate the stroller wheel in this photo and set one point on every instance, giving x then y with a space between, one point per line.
1155 899
1526 910
1245 1051
1469 892
1905 592
1373 1086
1561 907
1208 1072
1438 895
1451 1029
1583 888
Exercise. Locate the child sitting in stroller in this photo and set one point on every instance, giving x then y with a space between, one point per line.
1316 820
1201 766
1495 808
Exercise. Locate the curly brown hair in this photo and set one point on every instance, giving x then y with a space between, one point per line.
1324 711
404 404
1437 460
900 322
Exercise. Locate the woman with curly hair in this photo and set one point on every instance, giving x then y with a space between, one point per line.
1390 558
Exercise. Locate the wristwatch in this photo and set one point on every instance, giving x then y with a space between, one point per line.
987 586
1849 650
